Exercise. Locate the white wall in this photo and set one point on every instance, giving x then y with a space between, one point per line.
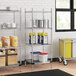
38 4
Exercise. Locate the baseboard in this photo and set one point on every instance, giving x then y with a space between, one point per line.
53 60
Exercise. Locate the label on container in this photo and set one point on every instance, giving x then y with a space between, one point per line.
40 39
15 42
7 42
34 39
45 39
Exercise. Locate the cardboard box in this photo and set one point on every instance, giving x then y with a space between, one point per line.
11 57
2 61
12 60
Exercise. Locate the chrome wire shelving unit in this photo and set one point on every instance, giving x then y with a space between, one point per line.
14 33
32 12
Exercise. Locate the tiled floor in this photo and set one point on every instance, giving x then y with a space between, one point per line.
70 68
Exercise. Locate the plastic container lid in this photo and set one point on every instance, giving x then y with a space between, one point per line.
39 33
46 34
13 36
43 34
36 52
43 54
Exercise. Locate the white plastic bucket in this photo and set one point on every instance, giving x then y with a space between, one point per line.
43 57
35 55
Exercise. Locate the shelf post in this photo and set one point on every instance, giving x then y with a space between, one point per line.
20 44
32 43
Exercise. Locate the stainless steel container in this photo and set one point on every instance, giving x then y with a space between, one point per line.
40 23
13 25
46 23
7 8
4 26
35 23
8 25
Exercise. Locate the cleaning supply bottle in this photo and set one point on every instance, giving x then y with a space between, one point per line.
32 38
39 38
44 38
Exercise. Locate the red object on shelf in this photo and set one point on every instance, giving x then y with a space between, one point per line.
43 54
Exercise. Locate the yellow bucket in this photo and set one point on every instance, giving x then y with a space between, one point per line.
5 42
14 41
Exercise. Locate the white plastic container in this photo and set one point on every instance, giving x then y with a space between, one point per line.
43 57
35 23
35 55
